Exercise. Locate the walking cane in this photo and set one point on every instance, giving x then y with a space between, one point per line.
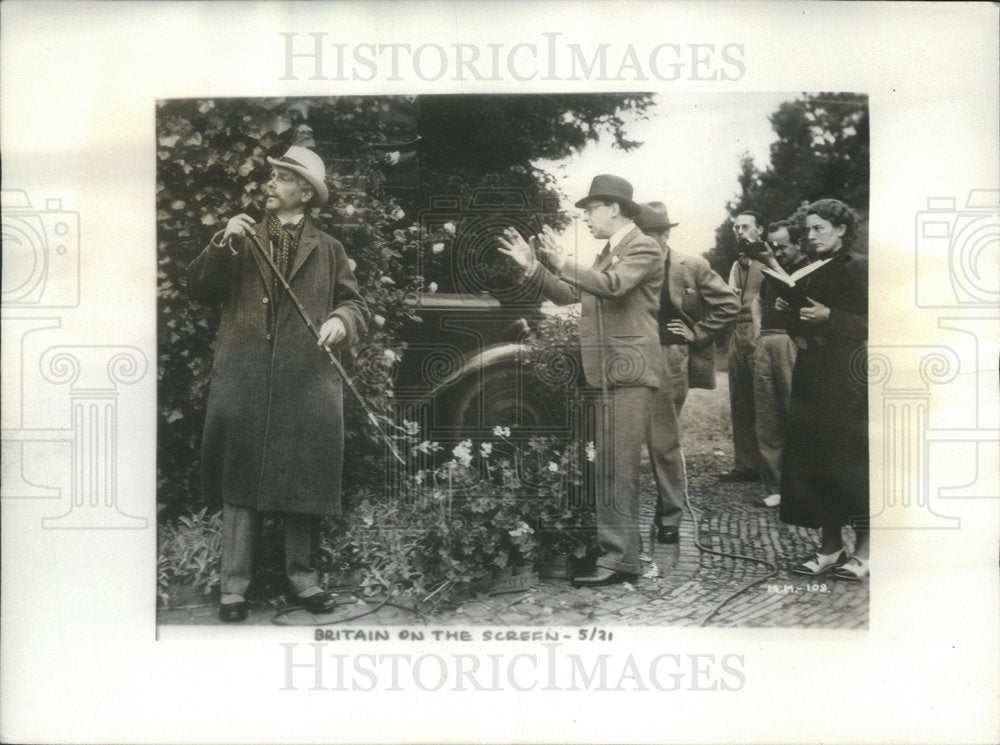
333 359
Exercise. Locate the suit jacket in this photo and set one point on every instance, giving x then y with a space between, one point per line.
274 430
620 297
708 305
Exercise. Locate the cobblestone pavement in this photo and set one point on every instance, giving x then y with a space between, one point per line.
689 583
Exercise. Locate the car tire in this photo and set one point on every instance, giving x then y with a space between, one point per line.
504 398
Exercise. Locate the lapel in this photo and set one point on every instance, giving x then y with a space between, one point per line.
307 244
260 230
617 251
675 278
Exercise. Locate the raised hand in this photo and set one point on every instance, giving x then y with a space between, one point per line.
242 224
512 244
549 243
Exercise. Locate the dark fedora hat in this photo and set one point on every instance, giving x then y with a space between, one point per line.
613 189
653 215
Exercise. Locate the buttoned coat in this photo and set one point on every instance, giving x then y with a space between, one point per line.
708 306
274 430
619 297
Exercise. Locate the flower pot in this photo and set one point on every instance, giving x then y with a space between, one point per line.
556 567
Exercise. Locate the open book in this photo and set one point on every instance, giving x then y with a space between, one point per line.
787 286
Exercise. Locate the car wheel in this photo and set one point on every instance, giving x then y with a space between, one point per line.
504 398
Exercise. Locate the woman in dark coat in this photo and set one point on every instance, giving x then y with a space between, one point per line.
825 461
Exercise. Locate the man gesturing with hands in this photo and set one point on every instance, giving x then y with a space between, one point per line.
620 348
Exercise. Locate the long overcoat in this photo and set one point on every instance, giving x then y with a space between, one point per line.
825 460
274 430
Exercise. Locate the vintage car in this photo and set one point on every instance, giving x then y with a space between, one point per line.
466 369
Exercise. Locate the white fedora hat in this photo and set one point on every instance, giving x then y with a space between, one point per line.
309 166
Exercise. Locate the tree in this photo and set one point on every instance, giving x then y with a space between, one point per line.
821 151
211 164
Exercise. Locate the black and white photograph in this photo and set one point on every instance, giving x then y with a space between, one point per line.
478 414
501 372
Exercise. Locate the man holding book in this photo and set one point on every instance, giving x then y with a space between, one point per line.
774 358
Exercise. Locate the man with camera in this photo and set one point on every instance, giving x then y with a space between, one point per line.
274 430
775 356
620 347
745 278
696 305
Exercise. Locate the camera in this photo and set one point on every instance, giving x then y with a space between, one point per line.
958 251
751 248
41 253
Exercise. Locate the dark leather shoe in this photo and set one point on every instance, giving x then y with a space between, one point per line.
234 612
601 577
740 474
667 534
321 602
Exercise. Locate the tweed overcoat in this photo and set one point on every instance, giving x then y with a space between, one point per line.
274 430
619 297
707 303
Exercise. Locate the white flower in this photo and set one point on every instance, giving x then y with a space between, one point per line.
522 529
411 428
419 477
553 467
501 431
591 452
437 248
349 210
398 214
379 320
449 227
427 447
389 355
485 449
392 158
432 287
462 452
352 264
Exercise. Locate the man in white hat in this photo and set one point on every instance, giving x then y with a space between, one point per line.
620 348
274 431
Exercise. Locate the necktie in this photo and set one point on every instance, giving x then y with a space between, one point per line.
604 254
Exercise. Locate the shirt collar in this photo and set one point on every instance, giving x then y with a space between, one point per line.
292 220
618 237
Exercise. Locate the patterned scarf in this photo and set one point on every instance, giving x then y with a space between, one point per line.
284 240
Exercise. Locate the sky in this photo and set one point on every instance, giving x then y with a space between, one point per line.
690 160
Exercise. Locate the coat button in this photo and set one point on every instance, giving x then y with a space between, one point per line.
267 336
264 300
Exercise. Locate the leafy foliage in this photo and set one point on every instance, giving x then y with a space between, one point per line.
821 150
211 164
189 553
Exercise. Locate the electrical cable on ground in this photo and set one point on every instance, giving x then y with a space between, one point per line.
694 517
